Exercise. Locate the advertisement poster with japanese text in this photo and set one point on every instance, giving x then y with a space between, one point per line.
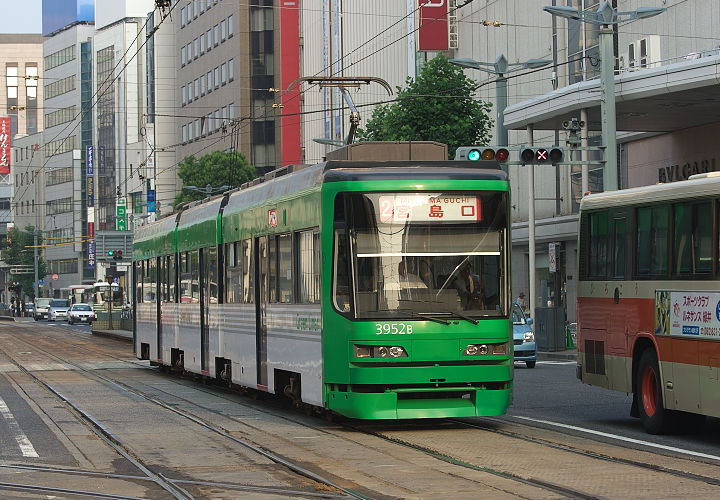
687 314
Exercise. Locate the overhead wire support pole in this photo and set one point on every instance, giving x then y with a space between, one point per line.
343 82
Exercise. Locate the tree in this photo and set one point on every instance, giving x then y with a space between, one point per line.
215 169
19 251
437 106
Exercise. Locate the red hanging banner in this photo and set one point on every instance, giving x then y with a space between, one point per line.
5 145
433 32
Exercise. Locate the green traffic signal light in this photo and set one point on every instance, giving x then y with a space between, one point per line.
111 253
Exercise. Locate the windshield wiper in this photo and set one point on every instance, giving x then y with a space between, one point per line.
451 314
432 317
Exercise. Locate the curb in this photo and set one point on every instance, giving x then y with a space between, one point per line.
117 334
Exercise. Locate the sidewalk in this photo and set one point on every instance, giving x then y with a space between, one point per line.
564 355
118 334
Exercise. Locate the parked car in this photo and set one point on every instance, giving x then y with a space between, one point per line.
41 308
58 309
29 309
80 313
523 336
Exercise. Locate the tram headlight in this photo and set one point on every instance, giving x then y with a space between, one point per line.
529 337
485 349
379 351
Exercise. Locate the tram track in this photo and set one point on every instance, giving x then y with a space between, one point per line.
587 453
167 484
499 427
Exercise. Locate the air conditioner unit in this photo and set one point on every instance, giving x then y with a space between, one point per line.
647 52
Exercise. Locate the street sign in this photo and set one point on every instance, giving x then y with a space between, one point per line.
19 269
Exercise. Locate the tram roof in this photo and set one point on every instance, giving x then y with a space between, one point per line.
696 187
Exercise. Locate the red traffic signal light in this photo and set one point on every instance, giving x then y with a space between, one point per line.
540 156
117 255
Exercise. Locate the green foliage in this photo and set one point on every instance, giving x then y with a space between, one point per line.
437 106
19 251
215 169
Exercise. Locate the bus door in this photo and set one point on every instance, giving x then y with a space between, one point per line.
619 326
261 302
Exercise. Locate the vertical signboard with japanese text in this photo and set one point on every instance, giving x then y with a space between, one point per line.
433 30
90 177
5 145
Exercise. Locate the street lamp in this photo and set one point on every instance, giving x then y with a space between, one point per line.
208 190
606 16
329 142
500 67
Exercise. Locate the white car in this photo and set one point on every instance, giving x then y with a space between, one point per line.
81 313
58 309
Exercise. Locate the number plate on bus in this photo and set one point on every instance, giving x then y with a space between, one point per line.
393 329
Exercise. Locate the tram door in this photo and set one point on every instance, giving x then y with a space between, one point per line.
261 302
204 310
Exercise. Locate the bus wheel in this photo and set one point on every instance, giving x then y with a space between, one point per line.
648 391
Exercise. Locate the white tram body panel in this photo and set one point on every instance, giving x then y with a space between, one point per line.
293 344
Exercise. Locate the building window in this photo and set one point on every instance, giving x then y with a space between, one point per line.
230 26
183 17
209 81
182 56
208 35
184 134
60 57
183 93
223 73
197 129
59 87
231 70
223 30
202 44
231 108
216 35
217 77
202 85
217 119
196 86
195 49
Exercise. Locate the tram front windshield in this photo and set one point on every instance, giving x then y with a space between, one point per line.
403 255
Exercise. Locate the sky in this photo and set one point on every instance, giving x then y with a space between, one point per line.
21 16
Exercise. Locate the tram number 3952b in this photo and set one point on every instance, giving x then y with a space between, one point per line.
393 329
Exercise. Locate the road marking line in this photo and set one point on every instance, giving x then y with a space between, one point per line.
623 438
23 442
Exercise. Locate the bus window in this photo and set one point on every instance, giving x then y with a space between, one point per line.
692 247
598 245
652 241
619 235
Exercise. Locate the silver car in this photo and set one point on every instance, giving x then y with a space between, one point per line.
58 309
80 313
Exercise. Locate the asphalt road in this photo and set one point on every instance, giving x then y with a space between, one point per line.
550 395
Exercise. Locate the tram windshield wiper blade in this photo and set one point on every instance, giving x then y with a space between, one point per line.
464 316
432 317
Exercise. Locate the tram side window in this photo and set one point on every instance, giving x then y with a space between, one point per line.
171 279
248 266
308 252
597 258
652 241
189 274
272 269
211 274
162 272
285 265
692 242
139 281
280 284
233 273
150 281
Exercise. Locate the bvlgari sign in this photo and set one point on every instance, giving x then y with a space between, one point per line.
683 172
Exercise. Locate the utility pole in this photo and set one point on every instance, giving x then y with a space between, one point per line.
36 287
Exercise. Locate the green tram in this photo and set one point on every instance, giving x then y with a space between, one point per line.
373 289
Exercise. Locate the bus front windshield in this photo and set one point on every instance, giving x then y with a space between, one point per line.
402 255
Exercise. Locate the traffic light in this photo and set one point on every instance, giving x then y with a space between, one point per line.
541 156
482 154
117 255
111 254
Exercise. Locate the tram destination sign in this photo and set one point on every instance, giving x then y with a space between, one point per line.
429 208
